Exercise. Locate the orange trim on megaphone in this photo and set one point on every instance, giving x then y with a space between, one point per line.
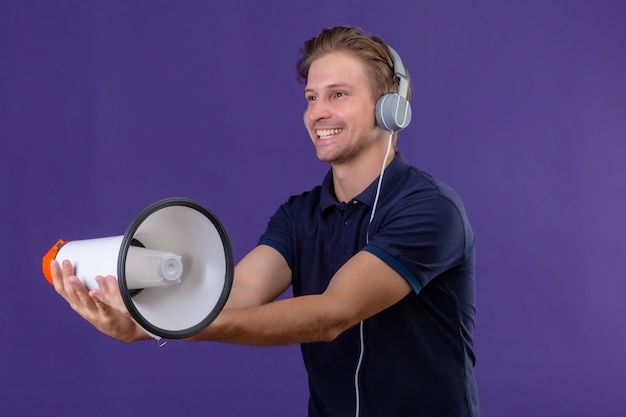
49 257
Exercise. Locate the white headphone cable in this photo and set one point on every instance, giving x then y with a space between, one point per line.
380 182
361 332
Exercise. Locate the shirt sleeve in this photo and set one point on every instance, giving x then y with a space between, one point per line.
279 233
420 238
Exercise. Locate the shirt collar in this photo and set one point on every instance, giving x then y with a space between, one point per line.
391 176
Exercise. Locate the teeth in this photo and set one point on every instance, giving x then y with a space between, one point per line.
326 133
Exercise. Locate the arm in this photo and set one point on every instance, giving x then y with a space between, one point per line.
363 287
260 277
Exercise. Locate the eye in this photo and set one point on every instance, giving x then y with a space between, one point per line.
311 98
339 94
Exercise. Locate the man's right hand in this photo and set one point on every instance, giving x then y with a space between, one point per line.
103 307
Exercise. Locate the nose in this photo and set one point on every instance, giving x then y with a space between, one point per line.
317 110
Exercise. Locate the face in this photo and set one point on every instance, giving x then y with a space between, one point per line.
340 114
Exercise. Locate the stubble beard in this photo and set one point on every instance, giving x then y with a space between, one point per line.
347 155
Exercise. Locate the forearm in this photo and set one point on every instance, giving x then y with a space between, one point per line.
304 319
364 286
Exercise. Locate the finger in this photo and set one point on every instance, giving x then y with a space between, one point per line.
62 277
75 291
61 284
67 268
70 281
110 293
107 284
81 299
103 309
57 276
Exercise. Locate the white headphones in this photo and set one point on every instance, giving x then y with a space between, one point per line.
393 111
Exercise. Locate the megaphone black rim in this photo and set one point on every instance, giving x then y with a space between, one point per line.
121 266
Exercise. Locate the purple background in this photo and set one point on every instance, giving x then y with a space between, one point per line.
108 106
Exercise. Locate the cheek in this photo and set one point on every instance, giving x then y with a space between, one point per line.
306 122
363 118
306 117
368 116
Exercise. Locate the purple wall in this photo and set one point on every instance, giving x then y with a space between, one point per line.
106 107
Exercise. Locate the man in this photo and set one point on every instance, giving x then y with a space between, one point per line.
382 271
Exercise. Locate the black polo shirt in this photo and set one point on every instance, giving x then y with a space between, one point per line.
418 354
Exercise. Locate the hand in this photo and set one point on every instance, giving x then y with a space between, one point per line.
103 307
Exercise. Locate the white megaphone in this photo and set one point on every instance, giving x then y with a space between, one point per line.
174 266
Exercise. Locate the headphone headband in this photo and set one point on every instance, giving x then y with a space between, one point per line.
399 71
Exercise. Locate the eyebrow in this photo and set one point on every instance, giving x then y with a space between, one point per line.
333 86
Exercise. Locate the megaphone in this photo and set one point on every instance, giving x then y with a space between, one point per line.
174 266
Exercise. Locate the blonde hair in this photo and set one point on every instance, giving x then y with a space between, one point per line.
370 49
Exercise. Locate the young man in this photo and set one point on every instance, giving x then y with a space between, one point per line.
383 278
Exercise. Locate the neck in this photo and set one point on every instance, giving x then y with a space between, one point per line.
351 178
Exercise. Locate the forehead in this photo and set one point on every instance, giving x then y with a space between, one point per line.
336 68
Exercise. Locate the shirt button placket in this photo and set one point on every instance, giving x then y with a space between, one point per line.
347 231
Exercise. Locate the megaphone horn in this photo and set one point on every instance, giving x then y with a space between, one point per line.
174 266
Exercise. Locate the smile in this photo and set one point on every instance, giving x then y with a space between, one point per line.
327 133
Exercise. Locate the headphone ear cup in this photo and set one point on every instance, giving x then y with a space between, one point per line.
393 112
